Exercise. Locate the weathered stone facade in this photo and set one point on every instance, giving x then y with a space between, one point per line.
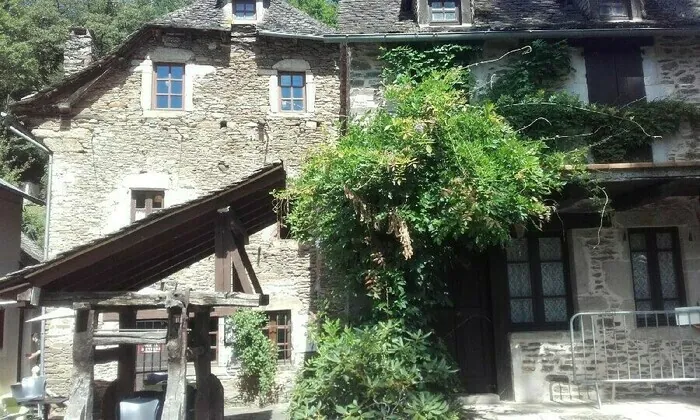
112 145
79 51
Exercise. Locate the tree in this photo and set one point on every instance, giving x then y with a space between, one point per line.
325 11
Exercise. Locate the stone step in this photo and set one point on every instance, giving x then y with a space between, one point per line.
479 399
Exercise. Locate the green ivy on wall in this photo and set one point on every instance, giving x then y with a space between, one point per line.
527 93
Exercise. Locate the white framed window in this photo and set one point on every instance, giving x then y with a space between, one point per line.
442 11
292 88
169 89
244 9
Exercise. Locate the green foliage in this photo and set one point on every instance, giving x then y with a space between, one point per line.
325 11
256 354
416 63
525 94
32 35
390 201
34 222
380 371
544 67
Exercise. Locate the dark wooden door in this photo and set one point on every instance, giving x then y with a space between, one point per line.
466 327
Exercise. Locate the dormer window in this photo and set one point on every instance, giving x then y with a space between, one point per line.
614 9
444 11
244 9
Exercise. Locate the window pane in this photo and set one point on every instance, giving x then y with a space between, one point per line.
664 241
519 280
162 71
670 305
555 309
517 250
644 305
176 87
521 311
158 202
176 72
553 279
449 4
286 92
298 92
298 105
640 275
161 101
286 105
162 86
550 249
285 80
176 101
667 272
140 200
450 16
638 242
297 80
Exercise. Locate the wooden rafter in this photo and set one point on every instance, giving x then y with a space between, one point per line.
115 300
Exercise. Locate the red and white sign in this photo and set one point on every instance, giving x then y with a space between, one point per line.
150 348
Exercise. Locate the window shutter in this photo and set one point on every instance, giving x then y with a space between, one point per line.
600 77
630 77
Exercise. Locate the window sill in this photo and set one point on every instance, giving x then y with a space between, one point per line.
445 25
292 115
162 113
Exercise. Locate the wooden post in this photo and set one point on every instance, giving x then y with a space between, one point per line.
123 386
81 398
175 406
209 403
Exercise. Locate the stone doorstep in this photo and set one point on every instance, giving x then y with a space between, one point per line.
478 399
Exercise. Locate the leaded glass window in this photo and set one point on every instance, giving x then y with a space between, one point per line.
538 287
656 272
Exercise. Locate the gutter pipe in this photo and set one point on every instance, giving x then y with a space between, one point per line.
42 342
484 35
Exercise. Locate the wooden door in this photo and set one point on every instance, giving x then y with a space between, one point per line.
467 328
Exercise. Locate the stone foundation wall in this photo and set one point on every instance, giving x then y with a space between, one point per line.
602 279
113 144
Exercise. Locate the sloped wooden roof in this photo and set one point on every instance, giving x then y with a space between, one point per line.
157 246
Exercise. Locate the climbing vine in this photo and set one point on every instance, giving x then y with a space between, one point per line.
255 355
527 93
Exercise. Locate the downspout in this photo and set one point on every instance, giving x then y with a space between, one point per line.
49 182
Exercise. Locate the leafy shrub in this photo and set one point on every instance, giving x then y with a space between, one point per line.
381 371
255 353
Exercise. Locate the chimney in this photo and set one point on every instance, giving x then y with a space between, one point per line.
79 51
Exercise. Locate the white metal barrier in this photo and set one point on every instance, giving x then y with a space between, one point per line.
634 347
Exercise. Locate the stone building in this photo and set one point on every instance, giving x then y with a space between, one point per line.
645 257
213 92
186 105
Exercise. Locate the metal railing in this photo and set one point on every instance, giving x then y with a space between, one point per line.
633 347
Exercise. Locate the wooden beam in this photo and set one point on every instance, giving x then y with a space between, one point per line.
202 364
270 178
109 338
244 269
237 227
223 246
31 296
82 394
107 355
126 369
112 300
175 406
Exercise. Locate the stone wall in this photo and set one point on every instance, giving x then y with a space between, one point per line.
113 145
601 275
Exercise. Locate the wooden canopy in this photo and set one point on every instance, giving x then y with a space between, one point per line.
157 246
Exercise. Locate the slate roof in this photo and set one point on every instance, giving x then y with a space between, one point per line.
201 14
282 17
32 252
387 16
163 232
